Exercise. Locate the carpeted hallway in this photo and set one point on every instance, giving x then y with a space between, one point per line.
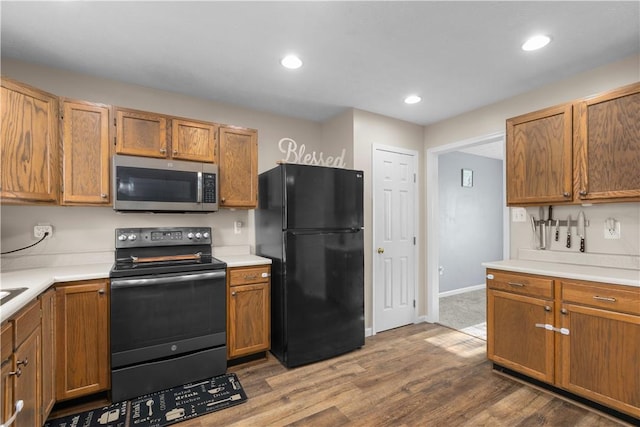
465 312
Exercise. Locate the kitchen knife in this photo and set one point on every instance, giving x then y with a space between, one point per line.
569 231
581 230
543 232
557 230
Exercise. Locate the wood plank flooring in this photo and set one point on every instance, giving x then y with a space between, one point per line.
417 375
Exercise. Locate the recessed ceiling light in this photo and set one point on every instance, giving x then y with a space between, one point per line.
291 61
412 99
536 42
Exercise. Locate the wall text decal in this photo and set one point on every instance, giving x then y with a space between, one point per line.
297 154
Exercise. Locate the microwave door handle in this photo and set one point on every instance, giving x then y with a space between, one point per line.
199 197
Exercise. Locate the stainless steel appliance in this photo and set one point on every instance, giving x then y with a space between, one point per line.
309 222
168 310
161 185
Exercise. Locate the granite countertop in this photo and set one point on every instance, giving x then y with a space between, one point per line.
617 276
38 280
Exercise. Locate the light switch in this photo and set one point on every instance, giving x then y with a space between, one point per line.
518 215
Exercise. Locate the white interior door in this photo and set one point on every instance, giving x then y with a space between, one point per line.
394 238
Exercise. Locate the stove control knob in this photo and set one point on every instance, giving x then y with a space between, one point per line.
198 236
190 235
132 237
205 235
122 237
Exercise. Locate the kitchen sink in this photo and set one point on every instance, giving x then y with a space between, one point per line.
9 294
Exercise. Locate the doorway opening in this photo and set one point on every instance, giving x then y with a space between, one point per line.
467 224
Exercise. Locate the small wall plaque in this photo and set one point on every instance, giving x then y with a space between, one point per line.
467 178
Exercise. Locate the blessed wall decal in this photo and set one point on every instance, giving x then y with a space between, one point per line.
299 155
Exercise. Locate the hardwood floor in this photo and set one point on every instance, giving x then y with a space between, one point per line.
417 375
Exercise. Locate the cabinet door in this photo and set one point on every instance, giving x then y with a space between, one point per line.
139 133
193 140
29 145
238 167
82 362
539 163
7 374
607 145
47 303
516 334
85 147
600 356
249 319
27 382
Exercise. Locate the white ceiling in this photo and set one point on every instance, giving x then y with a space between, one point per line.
368 55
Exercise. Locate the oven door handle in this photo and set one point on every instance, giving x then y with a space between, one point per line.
128 282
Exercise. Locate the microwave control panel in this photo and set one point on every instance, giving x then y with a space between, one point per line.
209 188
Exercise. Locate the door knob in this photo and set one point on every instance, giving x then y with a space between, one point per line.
380 250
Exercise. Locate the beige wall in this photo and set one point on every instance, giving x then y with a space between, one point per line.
491 119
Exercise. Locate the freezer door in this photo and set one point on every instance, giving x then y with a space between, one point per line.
321 197
323 295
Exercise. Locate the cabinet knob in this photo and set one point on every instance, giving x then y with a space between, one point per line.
163 150
547 308
564 311
223 200
175 152
104 196
101 291
583 193
233 294
566 194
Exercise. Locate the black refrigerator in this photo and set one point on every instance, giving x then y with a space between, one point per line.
309 223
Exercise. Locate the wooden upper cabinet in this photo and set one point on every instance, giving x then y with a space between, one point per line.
192 140
85 147
607 145
238 165
139 133
539 163
29 145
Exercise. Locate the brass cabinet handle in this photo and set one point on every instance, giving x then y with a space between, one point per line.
24 362
520 285
566 194
17 372
607 299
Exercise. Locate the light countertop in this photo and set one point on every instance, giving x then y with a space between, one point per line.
617 276
38 280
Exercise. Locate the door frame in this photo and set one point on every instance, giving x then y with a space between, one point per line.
433 221
416 231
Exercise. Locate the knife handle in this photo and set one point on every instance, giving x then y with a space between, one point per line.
557 234
582 245
568 240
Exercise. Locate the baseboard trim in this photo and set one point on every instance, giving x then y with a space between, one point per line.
462 290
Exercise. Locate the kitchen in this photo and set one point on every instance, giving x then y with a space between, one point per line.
354 130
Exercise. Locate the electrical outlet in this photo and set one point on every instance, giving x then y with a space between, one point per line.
237 226
611 229
39 230
518 215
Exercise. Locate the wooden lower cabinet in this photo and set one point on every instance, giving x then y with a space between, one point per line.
7 372
82 343
48 384
585 340
249 310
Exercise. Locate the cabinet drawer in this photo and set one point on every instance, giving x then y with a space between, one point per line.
26 321
611 297
520 283
6 341
243 276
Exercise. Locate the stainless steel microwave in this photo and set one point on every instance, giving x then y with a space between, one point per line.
162 185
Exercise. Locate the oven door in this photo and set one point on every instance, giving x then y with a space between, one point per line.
154 317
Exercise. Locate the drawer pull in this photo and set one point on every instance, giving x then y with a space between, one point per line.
520 285
608 299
